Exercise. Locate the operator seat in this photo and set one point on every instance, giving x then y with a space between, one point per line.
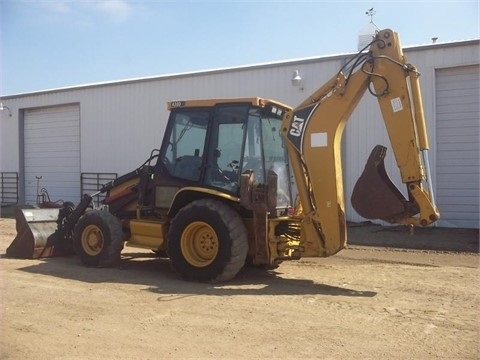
188 167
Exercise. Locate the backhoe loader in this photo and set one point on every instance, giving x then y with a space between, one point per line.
217 193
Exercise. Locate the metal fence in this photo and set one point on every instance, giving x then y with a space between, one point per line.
9 188
92 182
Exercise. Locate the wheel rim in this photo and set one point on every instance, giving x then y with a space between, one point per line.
199 244
92 240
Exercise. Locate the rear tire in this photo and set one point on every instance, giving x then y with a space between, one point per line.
98 239
207 241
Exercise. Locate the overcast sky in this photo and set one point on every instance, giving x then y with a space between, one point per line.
56 43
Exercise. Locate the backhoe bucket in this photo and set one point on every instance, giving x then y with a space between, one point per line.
34 226
374 195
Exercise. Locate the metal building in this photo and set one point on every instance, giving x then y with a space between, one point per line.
69 140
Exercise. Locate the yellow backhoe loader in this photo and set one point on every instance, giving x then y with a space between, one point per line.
217 194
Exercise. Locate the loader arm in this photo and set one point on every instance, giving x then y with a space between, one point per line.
313 133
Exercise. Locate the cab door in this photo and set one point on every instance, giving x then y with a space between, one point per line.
225 144
182 159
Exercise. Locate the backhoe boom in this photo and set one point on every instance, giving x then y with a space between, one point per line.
313 133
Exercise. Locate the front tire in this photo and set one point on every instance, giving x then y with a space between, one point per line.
98 238
207 241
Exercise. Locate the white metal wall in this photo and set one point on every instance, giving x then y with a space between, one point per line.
366 129
52 153
122 122
457 127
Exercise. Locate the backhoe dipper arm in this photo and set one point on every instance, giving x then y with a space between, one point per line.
313 133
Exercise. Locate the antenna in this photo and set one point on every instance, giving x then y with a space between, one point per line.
370 13
368 32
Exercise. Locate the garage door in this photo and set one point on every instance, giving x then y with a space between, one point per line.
52 152
457 126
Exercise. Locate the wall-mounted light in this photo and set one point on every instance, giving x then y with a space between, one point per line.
3 107
296 78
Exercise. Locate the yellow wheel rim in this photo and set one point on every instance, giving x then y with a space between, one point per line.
92 240
199 244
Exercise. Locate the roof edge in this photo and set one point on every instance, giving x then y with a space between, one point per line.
226 69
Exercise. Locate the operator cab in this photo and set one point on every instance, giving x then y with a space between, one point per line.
209 143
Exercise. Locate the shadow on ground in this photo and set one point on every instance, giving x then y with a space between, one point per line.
158 277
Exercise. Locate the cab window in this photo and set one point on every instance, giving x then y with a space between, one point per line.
183 155
226 147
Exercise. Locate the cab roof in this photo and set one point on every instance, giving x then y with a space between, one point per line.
255 101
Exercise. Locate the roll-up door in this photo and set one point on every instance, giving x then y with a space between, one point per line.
52 153
457 138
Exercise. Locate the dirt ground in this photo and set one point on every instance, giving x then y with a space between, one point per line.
390 295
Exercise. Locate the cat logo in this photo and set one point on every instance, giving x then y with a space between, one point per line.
297 126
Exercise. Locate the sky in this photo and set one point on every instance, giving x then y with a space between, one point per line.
48 44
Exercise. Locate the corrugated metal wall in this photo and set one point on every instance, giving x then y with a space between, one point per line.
122 122
365 129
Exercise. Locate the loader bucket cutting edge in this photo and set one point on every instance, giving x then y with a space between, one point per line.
374 195
34 226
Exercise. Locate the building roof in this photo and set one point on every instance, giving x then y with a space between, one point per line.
228 69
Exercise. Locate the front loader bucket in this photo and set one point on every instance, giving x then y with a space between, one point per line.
34 226
374 195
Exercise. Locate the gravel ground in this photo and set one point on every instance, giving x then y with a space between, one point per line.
390 295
